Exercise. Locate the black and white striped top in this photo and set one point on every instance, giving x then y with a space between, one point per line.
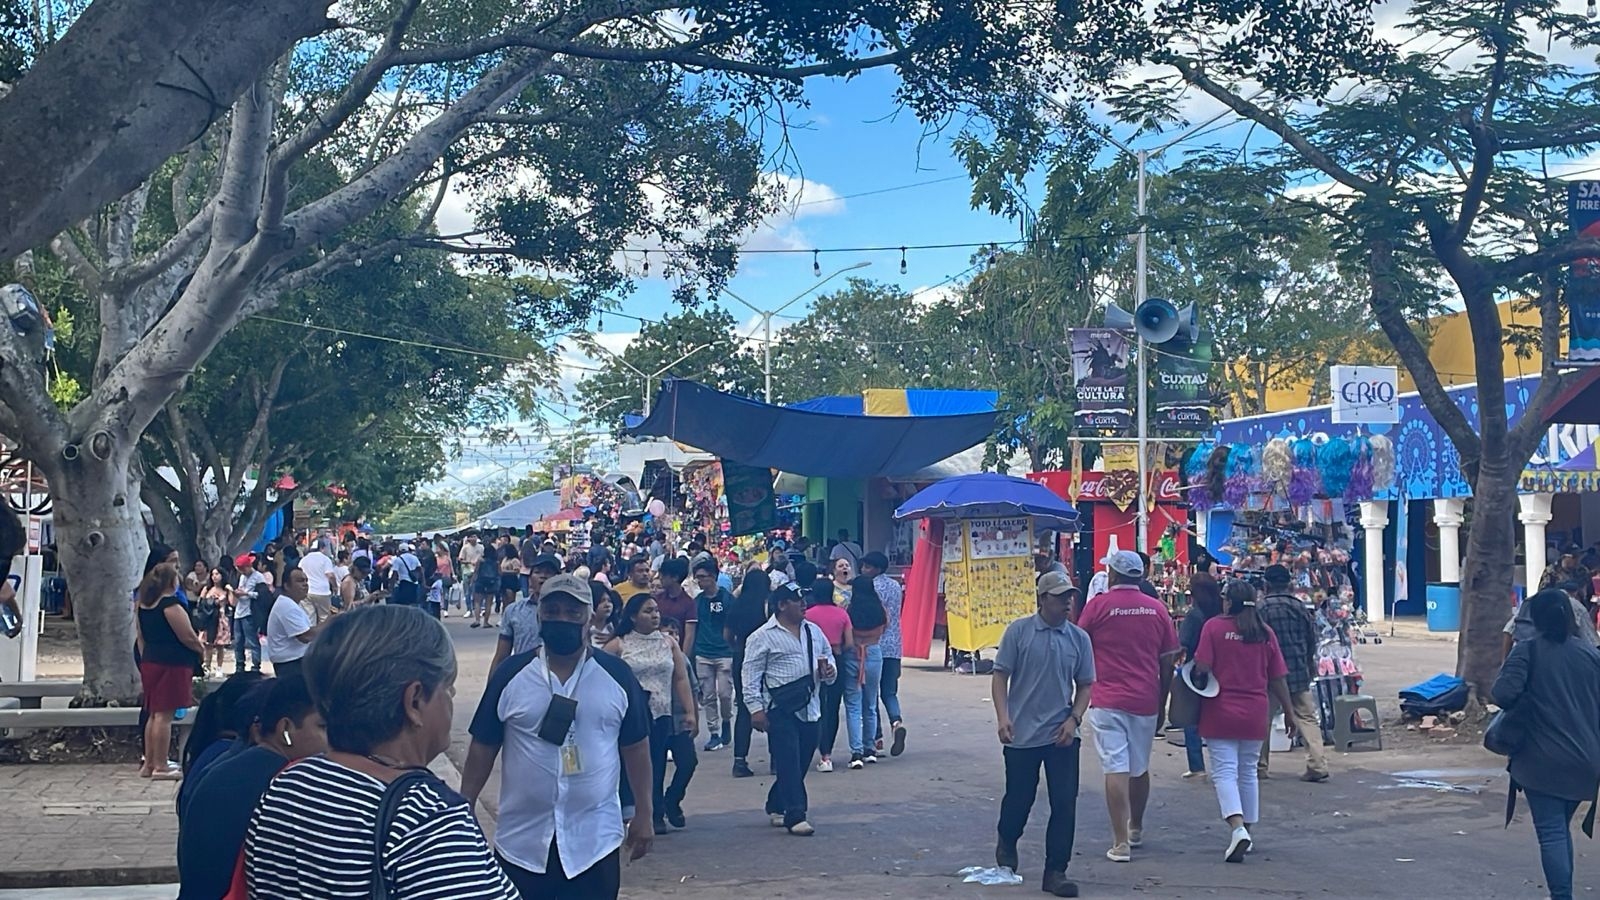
311 838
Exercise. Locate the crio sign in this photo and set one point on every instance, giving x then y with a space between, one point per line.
1365 395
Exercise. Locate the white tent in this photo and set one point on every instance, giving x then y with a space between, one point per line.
522 511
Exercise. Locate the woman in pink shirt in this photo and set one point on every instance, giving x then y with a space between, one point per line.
835 623
1242 654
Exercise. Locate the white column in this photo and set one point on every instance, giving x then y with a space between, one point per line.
1374 519
1534 511
1202 527
1448 514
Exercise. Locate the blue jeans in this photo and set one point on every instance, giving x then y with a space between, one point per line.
1192 748
1552 822
889 690
245 637
861 700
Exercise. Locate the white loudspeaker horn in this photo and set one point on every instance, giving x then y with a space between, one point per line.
1155 320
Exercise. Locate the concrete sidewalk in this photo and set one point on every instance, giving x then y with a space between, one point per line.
79 825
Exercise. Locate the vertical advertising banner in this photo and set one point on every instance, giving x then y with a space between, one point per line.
1100 379
1583 280
752 506
1183 384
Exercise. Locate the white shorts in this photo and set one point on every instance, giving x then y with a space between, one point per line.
1123 740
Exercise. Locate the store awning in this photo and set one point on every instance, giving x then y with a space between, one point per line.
825 445
1578 403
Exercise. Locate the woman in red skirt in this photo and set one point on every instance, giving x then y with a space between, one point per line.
169 653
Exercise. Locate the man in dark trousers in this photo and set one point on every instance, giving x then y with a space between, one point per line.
1043 675
1297 633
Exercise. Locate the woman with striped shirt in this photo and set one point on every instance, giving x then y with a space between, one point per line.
383 678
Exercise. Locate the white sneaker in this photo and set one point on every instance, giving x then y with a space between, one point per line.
1119 853
1238 845
776 819
825 765
1135 836
802 829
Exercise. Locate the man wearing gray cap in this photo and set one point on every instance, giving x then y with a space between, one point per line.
1042 678
1134 646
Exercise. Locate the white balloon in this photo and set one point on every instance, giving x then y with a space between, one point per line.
656 507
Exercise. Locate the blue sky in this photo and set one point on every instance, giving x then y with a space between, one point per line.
853 141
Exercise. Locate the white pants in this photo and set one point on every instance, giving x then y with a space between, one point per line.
1233 774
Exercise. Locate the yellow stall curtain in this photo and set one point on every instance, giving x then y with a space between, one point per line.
988 578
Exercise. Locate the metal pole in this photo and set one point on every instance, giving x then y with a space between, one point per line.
766 354
644 393
1142 535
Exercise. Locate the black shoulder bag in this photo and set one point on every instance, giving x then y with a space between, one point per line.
1508 729
792 697
387 807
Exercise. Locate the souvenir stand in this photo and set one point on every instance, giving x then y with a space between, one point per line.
986 549
1288 499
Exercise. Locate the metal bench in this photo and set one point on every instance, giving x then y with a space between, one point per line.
31 694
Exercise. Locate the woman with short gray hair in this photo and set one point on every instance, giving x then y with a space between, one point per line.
383 678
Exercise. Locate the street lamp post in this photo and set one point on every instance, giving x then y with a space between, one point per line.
766 318
646 380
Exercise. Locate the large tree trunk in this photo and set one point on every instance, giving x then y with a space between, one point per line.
102 546
1486 577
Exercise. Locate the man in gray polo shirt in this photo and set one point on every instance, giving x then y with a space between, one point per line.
1042 677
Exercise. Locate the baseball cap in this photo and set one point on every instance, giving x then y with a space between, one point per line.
1276 574
571 585
1125 562
1054 583
546 560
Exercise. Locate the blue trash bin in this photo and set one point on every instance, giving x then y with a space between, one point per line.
1444 607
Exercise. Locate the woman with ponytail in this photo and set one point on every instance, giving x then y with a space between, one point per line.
1242 654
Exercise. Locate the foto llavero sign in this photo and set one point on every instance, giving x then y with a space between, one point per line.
1365 395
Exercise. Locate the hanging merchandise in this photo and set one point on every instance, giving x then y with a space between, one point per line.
1277 465
1194 475
1120 483
1583 275
1100 379
1360 485
1217 472
1334 462
1382 463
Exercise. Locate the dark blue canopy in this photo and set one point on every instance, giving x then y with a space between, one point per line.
807 443
989 495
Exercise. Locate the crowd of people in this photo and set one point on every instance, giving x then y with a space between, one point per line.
314 781
648 640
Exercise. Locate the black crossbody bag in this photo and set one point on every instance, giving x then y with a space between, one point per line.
792 697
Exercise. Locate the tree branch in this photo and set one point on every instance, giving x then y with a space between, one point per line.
1413 355
1484 144
143 80
1192 73
353 98
85 272
536 40
1507 271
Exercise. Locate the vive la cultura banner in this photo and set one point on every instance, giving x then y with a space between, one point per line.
1583 280
1183 384
1100 379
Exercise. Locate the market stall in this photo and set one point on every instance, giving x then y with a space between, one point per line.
983 526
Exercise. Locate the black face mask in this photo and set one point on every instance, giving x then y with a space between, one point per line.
563 638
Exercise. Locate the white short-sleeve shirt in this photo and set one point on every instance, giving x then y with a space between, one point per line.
284 626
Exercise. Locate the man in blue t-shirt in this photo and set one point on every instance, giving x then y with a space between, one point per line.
713 656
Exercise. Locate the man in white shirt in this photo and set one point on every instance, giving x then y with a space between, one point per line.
560 716
322 580
289 628
784 652
405 578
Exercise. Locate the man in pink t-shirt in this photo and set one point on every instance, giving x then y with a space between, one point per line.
1134 646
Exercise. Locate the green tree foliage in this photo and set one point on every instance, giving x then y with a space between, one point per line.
1437 173
697 344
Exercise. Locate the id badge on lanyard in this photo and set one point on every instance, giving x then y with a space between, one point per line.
571 758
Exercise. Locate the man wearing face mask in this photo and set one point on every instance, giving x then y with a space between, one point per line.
560 714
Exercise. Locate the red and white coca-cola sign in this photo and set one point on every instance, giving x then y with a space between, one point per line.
1092 486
